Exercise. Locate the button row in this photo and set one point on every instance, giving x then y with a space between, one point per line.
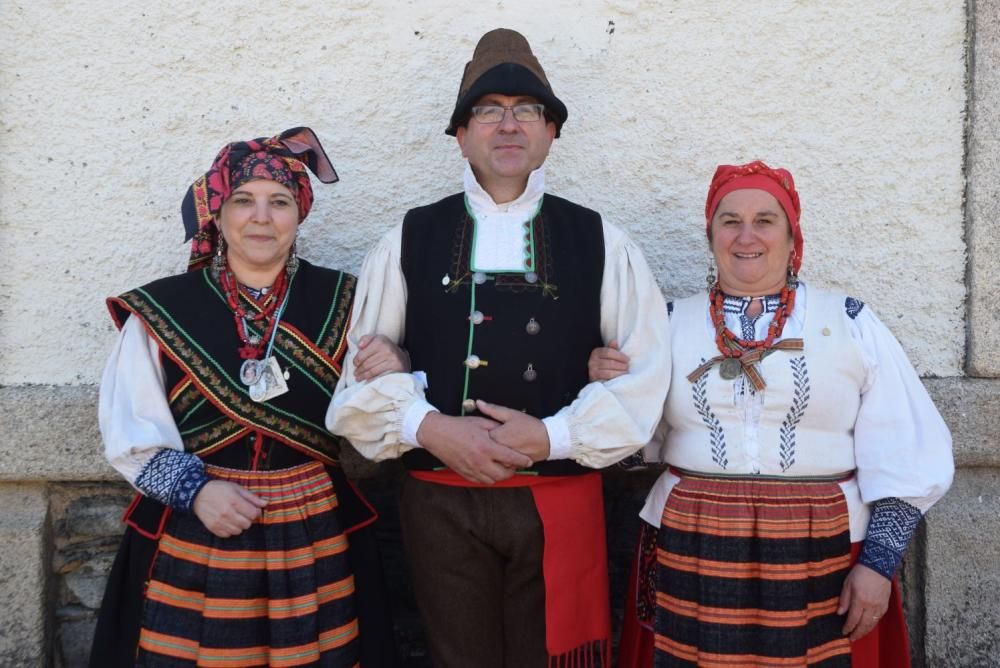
532 327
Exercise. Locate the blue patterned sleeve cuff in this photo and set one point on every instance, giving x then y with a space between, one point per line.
173 478
890 530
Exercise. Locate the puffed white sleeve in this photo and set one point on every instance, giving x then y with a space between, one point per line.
902 446
610 420
141 440
380 417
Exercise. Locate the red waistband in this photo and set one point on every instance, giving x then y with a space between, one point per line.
449 477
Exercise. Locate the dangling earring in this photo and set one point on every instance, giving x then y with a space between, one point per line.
219 261
710 279
292 263
792 279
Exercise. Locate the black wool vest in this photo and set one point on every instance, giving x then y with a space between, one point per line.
187 315
536 331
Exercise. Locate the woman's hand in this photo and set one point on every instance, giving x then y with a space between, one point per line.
865 598
226 509
377 355
607 363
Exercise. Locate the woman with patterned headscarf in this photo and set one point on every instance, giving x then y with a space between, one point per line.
246 545
802 450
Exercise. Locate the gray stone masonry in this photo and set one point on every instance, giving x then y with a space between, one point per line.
962 573
983 191
24 574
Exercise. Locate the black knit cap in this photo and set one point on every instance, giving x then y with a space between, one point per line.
504 64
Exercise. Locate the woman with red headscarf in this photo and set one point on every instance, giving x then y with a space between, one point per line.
802 451
246 545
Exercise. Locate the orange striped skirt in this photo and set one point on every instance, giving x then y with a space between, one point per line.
279 594
749 573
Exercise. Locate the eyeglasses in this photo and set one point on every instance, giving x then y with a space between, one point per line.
492 114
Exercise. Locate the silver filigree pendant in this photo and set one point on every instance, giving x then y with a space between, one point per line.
270 382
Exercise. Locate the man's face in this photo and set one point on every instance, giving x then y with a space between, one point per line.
506 150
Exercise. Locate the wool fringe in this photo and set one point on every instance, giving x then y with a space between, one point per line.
596 654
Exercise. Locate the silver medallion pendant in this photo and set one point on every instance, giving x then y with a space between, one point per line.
731 368
271 382
249 372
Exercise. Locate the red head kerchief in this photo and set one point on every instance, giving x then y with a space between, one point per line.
758 176
283 158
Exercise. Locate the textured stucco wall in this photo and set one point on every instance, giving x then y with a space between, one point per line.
108 111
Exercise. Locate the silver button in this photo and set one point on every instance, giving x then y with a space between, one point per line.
469 405
479 278
531 277
529 374
532 327
472 361
477 317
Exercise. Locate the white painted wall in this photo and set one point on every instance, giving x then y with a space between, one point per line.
109 110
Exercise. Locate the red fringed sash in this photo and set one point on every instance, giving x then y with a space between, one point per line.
577 618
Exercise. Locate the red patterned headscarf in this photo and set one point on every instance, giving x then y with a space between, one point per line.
283 158
756 175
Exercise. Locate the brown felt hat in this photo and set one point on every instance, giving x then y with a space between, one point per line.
504 64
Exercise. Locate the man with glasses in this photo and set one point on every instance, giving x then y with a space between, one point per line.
499 294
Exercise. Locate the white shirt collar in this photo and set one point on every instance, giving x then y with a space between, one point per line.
480 201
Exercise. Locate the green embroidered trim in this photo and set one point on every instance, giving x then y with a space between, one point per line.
299 356
185 400
333 307
529 228
468 349
187 416
202 427
229 393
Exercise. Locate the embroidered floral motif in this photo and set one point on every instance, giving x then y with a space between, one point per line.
183 400
207 438
800 400
717 436
739 305
890 531
646 574
173 478
333 339
222 391
853 307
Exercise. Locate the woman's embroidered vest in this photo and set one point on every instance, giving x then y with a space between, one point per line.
188 317
807 410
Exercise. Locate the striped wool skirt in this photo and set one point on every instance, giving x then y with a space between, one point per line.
279 594
749 573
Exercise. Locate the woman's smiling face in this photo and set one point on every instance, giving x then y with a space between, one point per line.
752 243
259 221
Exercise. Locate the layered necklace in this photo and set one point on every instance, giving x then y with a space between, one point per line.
260 371
740 356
